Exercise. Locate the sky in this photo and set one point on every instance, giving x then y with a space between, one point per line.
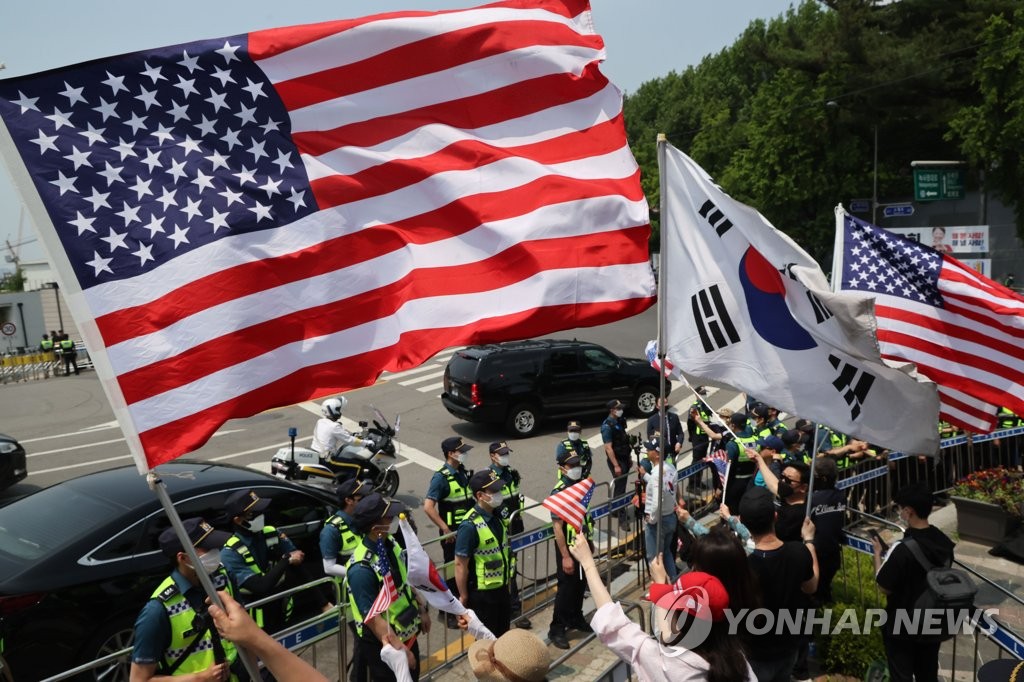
645 39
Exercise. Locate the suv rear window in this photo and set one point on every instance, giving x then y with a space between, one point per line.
462 368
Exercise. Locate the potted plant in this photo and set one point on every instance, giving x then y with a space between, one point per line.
989 504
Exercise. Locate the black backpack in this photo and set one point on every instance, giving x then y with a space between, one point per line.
946 588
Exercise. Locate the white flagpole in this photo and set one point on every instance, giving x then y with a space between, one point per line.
662 270
837 250
814 461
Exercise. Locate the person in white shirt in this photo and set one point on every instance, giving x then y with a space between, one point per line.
659 502
694 643
329 436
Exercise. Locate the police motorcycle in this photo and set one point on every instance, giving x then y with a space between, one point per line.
373 461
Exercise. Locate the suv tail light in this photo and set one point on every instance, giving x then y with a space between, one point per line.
474 395
19 602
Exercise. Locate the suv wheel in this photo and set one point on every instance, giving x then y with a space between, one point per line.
645 401
522 420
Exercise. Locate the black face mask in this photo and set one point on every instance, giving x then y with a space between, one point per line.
785 489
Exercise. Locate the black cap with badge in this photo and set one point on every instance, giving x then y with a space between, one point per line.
200 533
454 444
485 480
245 502
500 448
374 507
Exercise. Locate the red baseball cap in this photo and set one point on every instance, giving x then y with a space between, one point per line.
700 594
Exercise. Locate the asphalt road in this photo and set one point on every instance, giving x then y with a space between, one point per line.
68 428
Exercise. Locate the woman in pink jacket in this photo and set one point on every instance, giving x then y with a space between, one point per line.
694 641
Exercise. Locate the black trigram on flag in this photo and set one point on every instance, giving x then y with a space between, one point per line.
821 311
852 383
713 323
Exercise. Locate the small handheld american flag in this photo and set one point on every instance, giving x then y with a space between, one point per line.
388 592
571 504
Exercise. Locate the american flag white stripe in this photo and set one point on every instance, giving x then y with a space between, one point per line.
541 126
366 40
261 306
962 330
335 222
546 289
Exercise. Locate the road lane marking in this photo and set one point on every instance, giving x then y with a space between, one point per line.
113 440
432 387
87 429
425 377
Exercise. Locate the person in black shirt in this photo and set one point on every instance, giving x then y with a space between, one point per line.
787 572
902 579
828 512
791 487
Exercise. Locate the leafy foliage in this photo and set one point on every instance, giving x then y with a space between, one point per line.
785 118
996 486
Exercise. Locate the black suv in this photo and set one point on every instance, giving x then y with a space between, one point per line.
519 383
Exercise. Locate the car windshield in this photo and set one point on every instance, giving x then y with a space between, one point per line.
48 520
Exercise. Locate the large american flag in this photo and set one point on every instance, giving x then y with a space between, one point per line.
962 330
571 503
258 220
388 592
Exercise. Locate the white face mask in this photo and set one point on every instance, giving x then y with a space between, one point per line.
257 523
574 435
617 413
496 499
210 561
390 529
575 473
503 460
460 457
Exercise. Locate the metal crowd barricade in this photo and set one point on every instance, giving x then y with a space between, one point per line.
295 637
28 366
995 640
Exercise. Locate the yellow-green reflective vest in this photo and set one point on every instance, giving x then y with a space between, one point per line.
743 443
491 558
1007 419
457 503
180 614
67 344
349 539
405 603
46 344
271 536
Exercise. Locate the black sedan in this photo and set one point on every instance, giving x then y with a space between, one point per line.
12 462
80 558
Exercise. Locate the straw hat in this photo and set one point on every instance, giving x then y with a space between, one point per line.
516 656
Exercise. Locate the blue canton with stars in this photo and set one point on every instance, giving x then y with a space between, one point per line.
146 156
880 262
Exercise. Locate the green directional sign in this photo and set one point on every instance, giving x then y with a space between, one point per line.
937 184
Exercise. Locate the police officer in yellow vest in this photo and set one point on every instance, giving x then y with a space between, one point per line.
173 635
742 468
375 518
46 345
337 538
67 351
483 561
501 465
573 443
448 500
568 610
262 560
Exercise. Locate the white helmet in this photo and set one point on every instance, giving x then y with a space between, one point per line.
332 407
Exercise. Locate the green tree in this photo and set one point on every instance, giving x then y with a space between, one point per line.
991 133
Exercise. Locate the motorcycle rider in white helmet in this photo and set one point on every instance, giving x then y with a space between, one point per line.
329 436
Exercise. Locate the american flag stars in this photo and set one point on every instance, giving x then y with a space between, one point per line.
152 157
879 262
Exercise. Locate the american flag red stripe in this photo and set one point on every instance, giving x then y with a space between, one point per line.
962 330
570 504
388 591
441 179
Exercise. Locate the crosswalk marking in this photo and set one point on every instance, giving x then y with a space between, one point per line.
432 387
425 377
